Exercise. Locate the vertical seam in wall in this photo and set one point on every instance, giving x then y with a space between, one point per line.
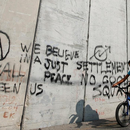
127 36
86 57
127 33
22 118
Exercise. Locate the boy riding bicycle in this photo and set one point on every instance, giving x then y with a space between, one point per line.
123 109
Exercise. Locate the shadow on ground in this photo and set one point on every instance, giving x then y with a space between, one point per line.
90 119
104 124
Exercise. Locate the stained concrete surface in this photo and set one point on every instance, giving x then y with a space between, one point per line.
102 124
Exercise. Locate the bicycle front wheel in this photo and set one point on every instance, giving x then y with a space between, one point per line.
122 116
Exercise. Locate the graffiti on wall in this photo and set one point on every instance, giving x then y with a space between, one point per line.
12 75
37 53
58 65
9 106
9 72
36 88
25 58
56 61
4 45
101 53
108 71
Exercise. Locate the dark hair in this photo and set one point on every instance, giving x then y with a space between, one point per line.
129 62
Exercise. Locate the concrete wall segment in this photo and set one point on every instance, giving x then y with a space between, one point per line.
62 26
107 51
17 26
80 49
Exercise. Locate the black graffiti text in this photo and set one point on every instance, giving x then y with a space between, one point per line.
7 72
25 57
24 48
58 65
37 53
107 67
4 45
55 51
105 89
36 89
7 88
57 78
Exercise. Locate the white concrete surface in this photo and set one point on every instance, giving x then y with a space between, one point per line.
60 43
107 50
17 27
80 48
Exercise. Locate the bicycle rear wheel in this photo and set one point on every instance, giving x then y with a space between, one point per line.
121 114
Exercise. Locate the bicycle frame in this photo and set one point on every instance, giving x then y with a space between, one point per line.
127 100
127 97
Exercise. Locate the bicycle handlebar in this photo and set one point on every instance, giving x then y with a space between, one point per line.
122 88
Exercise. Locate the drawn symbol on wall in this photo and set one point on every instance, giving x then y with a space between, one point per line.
4 45
100 53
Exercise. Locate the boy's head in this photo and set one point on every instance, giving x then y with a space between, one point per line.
129 62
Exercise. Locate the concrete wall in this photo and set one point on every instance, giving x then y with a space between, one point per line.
128 29
107 56
59 59
17 27
54 87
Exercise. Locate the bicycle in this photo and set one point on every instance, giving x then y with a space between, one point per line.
122 113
